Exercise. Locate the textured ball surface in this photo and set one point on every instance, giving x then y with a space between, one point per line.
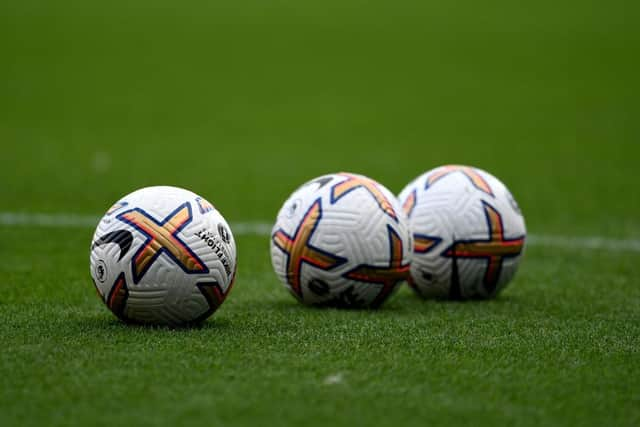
468 233
341 240
163 255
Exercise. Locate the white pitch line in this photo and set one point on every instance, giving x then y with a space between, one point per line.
261 228
68 220
591 242
48 220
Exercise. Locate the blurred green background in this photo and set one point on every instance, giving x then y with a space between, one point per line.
241 101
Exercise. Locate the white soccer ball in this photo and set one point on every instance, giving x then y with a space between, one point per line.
341 240
468 233
163 255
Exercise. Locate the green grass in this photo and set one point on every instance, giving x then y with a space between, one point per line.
241 102
559 347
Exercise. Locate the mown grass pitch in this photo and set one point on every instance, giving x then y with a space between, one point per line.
243 101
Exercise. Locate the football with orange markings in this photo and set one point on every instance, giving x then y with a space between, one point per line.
341 240
468 233
163 256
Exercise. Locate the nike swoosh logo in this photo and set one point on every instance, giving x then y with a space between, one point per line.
123 238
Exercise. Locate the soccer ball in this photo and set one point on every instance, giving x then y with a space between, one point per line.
468 233
164 256
341 240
